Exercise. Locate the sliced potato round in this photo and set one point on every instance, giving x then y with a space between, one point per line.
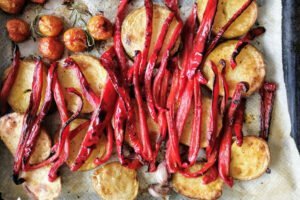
250 67
251 160
37 184
19 95
113 181
134 28
194 188
188 127
10 132
94 73
75 144
225 10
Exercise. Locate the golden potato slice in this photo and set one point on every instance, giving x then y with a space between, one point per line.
10 132
194 188
134 26
75 144
113 181
251 160
188 127
36 185
94 73
19 95
225 10
250 67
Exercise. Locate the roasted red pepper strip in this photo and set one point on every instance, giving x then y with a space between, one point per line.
101 116
213 122
238 122
225 87
196 131
226 141
148 35
164 62
28 121
64 140
201 38
188 37
117 37
251 35
151 65
91 96
109 146
173 5
147 152
9 81
211 175
227 25
78 129
267 93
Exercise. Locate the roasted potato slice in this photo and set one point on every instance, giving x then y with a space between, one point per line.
187 130
251 160
113 181
93 71
225 10
194 188
75 144
19 95
36 184
250 67
134 28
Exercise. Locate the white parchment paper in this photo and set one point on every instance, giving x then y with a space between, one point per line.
281 183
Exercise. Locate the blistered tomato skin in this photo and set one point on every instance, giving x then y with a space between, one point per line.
75 40
51 48
12 6
18 30
50 25
100 28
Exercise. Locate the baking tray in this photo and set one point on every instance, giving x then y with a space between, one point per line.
291 61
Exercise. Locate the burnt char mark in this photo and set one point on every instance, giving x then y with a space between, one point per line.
17 180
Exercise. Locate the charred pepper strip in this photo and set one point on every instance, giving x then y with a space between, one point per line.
148 35
101 116
251 35
213 122
267 93
227 25
188 37
147 152
91 96
28 121
117 37
109 146
151 65
201 37
9 81
196 130
238 122
226 141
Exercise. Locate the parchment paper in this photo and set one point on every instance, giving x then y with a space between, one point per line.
281 183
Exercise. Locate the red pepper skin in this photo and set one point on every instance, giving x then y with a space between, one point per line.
226 141
147 153
148 35
211 175
267 93
196 131
213 125
251 35
201 37
9 81
151 65
100 117
227 25
117 37
188 37
109 146
90 95
28 121
238 123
